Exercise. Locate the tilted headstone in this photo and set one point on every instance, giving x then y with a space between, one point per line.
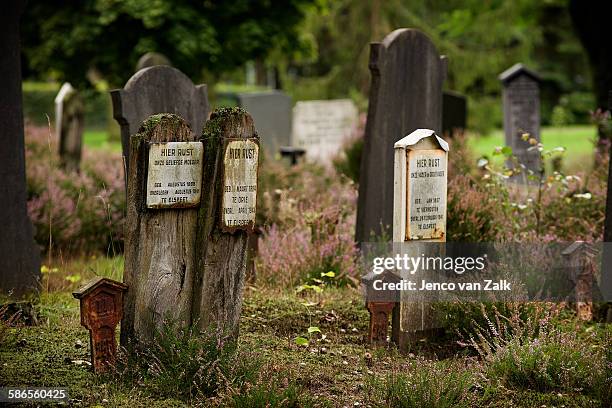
271 112
191 205
521 99
19 254
419 216
69 122
454 113
321 127
153 90
405 95
151 59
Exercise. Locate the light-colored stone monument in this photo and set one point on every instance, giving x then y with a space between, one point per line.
321 127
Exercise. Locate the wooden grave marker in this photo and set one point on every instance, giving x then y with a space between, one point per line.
161 225
101 303
228 209
419 217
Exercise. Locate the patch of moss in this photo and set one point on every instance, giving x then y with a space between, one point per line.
168 119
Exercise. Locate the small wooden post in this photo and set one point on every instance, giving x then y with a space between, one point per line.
419 217
101 302
227 217
164 190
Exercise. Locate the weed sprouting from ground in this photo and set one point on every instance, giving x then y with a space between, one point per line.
187 363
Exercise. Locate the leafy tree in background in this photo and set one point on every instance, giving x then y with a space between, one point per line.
481 39
71 40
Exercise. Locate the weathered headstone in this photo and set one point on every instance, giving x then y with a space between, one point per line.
321 127
271 112
151 59
228 209
153 90
160 265
419 216
191 205
19 255
454 113
69 124
521 99
405 94
101 303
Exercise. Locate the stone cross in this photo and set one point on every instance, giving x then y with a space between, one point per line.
454 113
69 124
19 254
521 99
271 112
153 90
322 127
405 95
419 218
101 302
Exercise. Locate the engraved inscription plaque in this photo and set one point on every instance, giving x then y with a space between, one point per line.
426 194
174 175
240 163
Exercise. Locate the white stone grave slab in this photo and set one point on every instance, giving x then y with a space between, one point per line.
321 127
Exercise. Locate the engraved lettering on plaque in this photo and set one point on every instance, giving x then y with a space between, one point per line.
174 175
240 163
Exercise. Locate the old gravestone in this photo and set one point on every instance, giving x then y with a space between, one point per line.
19 255
153 90
321 127
405 94
271 112
191 206
419 217
229 207
521 100
454 113
69 124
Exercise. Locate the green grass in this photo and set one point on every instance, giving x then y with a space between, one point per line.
98 139
336 368
577 139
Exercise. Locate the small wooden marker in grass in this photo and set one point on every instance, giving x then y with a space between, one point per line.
101 310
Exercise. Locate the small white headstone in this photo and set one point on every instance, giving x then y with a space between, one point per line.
174 176
321 127
420 186
240 163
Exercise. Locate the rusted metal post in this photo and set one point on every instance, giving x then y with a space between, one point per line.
101 310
